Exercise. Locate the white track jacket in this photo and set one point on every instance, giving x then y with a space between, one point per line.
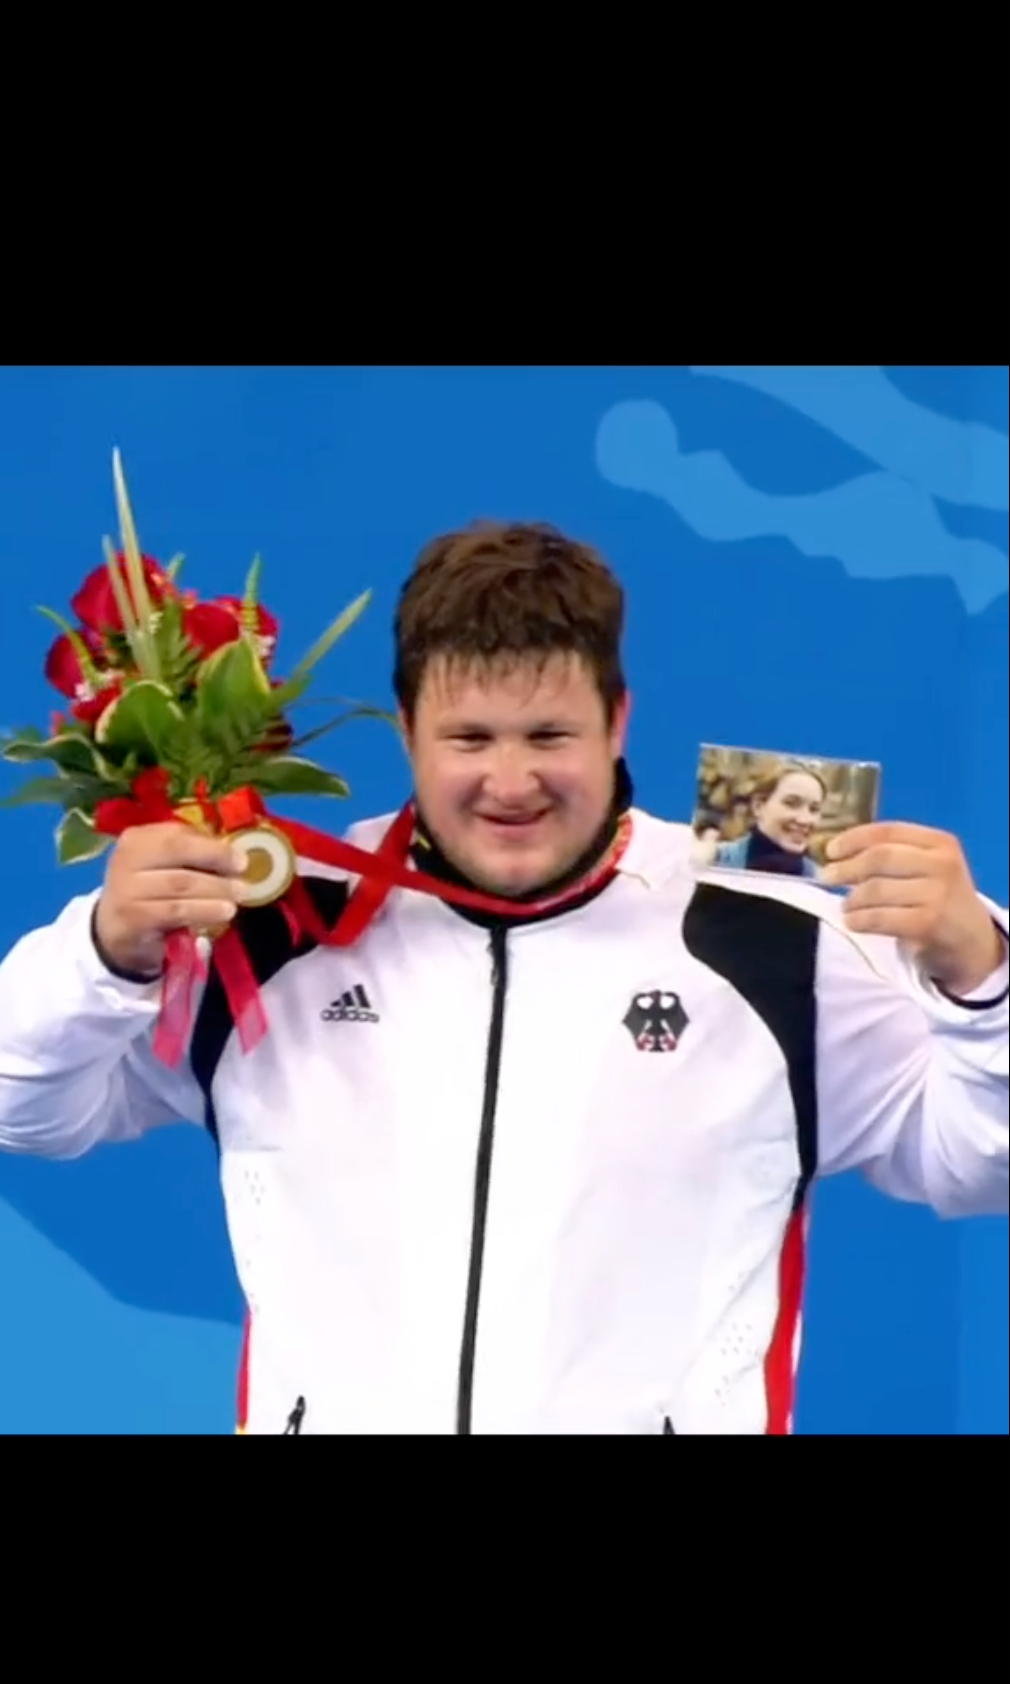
551 1183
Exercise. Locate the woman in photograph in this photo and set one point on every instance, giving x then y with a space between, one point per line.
786 813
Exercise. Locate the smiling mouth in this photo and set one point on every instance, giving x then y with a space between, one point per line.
515 821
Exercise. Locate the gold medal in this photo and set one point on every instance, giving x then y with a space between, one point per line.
270 865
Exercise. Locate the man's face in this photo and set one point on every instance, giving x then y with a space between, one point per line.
514 768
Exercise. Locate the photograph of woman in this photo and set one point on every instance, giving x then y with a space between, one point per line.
757 811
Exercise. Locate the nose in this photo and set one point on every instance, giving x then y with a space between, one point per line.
509 778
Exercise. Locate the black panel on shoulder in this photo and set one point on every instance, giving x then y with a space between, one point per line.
266 937
767 951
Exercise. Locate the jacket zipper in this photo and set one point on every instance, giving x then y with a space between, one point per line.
482 1178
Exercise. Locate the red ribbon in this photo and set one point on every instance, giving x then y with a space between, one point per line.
378 873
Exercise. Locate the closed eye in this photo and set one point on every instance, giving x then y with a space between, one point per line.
479 739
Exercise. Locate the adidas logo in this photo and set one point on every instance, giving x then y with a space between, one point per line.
352 1007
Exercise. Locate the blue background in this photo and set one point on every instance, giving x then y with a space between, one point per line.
816 560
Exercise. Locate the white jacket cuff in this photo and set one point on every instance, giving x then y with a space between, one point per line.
990 996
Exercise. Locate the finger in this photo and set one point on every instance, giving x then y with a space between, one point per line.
181 845
190 914
887 859
903 923
890 892
179 885
863 836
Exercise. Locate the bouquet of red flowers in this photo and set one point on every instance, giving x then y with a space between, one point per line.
171 701
173 714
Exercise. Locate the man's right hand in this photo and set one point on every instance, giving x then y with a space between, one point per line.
163 877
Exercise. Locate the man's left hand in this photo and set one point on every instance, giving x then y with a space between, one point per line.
914 884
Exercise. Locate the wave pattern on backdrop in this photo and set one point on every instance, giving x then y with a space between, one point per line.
816 560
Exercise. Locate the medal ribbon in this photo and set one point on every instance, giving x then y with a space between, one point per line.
378 874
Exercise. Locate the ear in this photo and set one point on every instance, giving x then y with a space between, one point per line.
619 725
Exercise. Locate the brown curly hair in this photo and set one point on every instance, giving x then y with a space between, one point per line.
502 593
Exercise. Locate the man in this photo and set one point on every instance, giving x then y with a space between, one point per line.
545 1172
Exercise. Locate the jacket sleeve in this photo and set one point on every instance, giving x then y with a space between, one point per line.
77 1068
913 1087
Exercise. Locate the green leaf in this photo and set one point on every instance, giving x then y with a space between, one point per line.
78 840
250 597
360 712
144 719
140 624
25 734
333 633
66 792
290 775
233 676
54 790
234 697
292 690
71 751
133 628
178 659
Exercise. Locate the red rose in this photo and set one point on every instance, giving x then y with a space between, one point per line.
95 603
63 670
89 711
209 627
267 628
